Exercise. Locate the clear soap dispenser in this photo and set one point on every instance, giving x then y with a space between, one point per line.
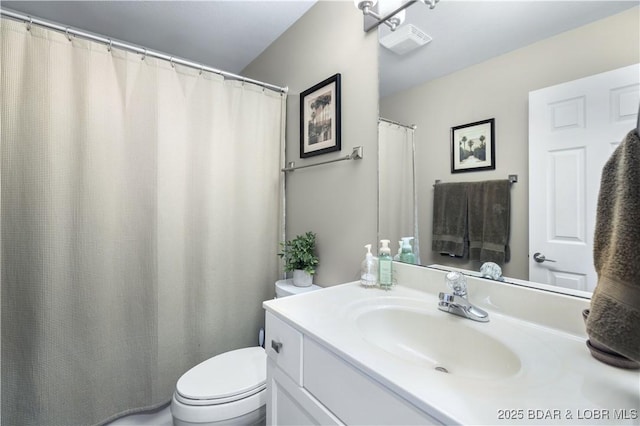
369 270
385 266
397 256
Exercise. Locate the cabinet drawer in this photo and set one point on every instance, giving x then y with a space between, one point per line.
284 346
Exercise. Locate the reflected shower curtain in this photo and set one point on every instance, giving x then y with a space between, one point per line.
140 221
396 185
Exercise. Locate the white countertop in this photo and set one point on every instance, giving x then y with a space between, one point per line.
557 382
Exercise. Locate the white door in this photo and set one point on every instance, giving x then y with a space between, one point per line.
573 129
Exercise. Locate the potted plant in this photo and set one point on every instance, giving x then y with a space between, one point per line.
300 257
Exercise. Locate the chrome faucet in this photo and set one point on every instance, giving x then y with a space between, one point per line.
457 302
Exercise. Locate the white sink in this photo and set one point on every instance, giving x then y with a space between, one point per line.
523 365
438 341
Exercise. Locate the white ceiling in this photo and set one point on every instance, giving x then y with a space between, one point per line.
469 32
223 34
229 34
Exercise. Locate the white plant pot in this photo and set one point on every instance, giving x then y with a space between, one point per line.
302 278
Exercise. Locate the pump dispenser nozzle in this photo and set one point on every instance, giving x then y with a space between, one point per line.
385 247
406 242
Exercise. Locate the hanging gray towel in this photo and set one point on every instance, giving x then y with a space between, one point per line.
450 218
489 217
614 319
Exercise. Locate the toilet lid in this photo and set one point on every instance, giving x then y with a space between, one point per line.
230 374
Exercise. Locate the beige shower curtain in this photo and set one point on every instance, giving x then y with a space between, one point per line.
396 185
140 221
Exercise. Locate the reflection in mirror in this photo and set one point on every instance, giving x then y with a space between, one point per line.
516 281
396 186
483 61
571 132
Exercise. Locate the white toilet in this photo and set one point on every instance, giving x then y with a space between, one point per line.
229 388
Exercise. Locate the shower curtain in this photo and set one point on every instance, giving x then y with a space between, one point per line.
140 220
396 185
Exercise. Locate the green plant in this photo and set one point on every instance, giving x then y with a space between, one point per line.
299 253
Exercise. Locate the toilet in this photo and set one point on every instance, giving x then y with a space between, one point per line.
286 288
229 388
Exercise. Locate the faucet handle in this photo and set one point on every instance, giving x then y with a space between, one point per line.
446 297
457 282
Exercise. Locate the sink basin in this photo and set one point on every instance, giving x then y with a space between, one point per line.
438 342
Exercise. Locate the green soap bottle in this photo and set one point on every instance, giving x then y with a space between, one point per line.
406 255
385 266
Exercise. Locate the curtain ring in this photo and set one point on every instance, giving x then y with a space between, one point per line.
110 45
66 31
144 55
201 67
29 23
171 62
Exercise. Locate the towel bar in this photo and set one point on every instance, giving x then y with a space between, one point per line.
356 154
512 179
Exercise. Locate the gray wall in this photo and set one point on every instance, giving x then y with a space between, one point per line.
338 201
499 88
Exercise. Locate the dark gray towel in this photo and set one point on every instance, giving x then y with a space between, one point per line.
450 218
489 218
614 319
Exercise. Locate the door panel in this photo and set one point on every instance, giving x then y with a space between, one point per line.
573 129
566 193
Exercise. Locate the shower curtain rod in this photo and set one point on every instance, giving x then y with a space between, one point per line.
126 46
397 123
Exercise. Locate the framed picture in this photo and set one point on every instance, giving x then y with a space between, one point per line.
473 147
320 118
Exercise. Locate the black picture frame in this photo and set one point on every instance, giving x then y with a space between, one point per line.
473 147
320 118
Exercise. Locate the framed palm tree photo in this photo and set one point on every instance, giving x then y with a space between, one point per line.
320 118
473 147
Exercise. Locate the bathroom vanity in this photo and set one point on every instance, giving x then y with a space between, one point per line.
350 355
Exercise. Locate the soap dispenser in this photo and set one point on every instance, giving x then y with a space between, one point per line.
369 270
385 266
397 256
406 255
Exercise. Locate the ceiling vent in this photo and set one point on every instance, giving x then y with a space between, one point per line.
405 39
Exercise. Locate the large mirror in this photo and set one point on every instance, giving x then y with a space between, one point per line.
481 60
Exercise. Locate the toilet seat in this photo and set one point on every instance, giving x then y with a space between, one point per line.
217 401
225 378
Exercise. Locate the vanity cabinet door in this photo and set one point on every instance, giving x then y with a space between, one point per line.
289 404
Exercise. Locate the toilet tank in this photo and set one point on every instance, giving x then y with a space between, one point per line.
286 288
